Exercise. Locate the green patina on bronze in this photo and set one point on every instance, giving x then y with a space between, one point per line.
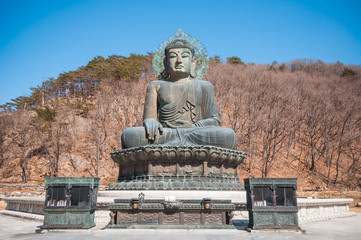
179 108
70 202
272 203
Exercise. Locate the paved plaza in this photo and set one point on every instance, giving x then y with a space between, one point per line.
341 229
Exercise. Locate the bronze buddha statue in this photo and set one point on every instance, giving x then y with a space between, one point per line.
179 109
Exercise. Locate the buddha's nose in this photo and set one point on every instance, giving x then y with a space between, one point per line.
179 58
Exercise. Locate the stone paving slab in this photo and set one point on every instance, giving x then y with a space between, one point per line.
23 229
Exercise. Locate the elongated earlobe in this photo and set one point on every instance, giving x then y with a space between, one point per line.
164 74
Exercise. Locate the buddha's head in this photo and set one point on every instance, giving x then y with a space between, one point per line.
179 61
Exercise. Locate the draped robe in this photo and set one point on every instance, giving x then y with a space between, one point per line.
192 101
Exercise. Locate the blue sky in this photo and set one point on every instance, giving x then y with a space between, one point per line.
40 39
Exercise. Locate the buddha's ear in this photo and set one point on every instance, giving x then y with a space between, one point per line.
165 63
165 71
193 68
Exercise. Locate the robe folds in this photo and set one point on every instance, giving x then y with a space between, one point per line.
192 101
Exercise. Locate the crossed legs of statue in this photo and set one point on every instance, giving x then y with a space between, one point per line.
215 136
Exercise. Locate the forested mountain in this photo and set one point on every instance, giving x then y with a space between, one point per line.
298 119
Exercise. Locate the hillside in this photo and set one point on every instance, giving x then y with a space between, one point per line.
298 119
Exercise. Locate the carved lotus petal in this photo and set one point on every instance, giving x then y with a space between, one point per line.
141 155
170 154
231 158
213 155
147 149
239 159
123 158
161 185
155 153
193 185
201 154
132 156
177 185
184 154
223 157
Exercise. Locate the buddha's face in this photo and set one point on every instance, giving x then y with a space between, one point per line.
179 62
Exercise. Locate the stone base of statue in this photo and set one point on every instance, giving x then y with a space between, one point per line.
161 167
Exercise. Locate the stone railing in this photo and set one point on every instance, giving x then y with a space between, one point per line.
313 210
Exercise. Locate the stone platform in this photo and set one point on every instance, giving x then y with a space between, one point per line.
161 167
310 210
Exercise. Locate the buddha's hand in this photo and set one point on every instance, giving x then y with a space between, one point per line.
151 128
180 124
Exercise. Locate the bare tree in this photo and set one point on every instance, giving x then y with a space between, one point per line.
5 125
23 141
74 139
98 129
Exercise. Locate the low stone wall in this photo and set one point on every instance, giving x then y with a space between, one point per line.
313 210
33 205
